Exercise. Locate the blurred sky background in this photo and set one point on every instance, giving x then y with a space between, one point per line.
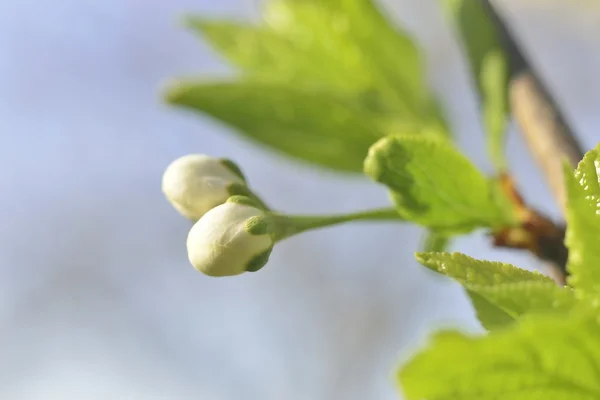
97 299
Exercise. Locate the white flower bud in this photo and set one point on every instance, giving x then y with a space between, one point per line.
196 183
230 239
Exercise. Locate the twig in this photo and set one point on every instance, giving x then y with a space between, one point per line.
548 136
536 233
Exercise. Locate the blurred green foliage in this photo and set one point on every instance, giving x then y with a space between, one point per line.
318 80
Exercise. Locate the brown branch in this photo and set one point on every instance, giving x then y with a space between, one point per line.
548 136
536 233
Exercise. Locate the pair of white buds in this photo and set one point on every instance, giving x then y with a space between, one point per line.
232 231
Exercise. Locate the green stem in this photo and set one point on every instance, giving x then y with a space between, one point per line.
290 225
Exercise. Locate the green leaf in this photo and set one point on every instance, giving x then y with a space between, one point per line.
500 293
345 45
434 185
546 357
341 75
583 223
531 297
471 271
488 64
265 54
308 124
489 315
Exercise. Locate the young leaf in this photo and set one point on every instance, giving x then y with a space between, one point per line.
470 271
583 223
346 45
266 54
386 54
488 64
546 357
489 315
530 297
312 125
500 293
349 74
433 185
